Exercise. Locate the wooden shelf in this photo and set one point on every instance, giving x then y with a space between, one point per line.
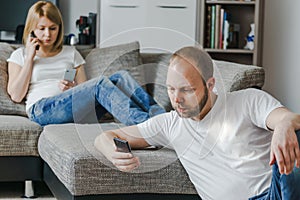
228 51
232 2
243 14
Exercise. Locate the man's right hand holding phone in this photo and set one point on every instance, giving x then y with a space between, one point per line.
122 158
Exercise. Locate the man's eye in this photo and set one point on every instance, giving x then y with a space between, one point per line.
171 89
188 90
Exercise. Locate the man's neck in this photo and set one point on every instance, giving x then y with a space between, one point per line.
208 106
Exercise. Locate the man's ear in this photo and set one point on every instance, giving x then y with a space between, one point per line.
210 83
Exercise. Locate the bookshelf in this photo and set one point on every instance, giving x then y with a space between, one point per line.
240 14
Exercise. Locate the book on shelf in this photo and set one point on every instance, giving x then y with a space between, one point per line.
233 35
217 25
208 27
212 27
221 33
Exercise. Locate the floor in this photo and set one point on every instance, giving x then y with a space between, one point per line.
15 190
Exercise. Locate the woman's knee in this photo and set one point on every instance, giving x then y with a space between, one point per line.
120 75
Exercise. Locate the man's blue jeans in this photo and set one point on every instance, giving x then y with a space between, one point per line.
286 187
119 95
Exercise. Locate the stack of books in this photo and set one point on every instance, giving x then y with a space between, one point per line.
221 32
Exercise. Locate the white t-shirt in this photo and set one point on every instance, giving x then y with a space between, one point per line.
47 72
227 153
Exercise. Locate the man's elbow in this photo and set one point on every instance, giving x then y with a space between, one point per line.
97 142
15 98
102 140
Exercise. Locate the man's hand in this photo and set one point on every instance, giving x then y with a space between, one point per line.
125 162
285 149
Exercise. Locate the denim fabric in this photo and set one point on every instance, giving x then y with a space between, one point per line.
119 94
286 187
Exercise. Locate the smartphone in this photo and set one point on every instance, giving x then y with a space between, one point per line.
34 36
69 74
122 145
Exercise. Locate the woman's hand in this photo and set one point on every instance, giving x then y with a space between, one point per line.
65 85
31 45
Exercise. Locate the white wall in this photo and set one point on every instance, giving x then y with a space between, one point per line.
281 54
72 9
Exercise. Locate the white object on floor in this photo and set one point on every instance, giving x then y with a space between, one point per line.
29 192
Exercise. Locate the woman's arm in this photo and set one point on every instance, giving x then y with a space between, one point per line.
19 76
18 80
285 146
80 75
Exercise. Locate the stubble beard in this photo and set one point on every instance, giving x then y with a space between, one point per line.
194 112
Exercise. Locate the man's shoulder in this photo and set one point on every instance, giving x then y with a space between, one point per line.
247 92
252 97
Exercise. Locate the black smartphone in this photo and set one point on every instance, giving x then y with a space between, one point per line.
122 145
34 36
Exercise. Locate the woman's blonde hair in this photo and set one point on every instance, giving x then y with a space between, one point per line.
44 9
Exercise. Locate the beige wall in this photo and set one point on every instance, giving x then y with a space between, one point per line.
281 54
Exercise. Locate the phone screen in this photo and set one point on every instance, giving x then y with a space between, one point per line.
122 145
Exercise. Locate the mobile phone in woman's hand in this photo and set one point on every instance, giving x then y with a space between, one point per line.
34 36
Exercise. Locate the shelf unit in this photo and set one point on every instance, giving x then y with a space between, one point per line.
243 13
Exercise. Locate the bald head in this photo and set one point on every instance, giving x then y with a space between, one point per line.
198 58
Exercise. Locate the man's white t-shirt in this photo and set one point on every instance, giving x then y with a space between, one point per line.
226 154
47 72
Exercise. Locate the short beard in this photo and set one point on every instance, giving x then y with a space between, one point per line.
196 111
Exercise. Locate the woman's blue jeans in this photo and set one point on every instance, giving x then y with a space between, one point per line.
285 187
119 95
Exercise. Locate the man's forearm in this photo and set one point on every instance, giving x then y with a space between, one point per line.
284 145
282 117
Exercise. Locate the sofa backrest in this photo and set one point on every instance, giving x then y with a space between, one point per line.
149 70
7 106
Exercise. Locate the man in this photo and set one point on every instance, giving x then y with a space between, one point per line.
226 142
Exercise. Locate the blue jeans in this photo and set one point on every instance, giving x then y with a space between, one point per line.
286 187
119 95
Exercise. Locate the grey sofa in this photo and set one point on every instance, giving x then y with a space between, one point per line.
63 155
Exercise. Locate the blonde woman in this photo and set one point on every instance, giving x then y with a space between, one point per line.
36 75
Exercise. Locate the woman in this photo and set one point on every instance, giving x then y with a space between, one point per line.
35 72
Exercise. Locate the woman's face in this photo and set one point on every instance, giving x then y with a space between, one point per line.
46 31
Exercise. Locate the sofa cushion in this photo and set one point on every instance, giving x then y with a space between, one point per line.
18 136
106 61
69 151
156 68
7 106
